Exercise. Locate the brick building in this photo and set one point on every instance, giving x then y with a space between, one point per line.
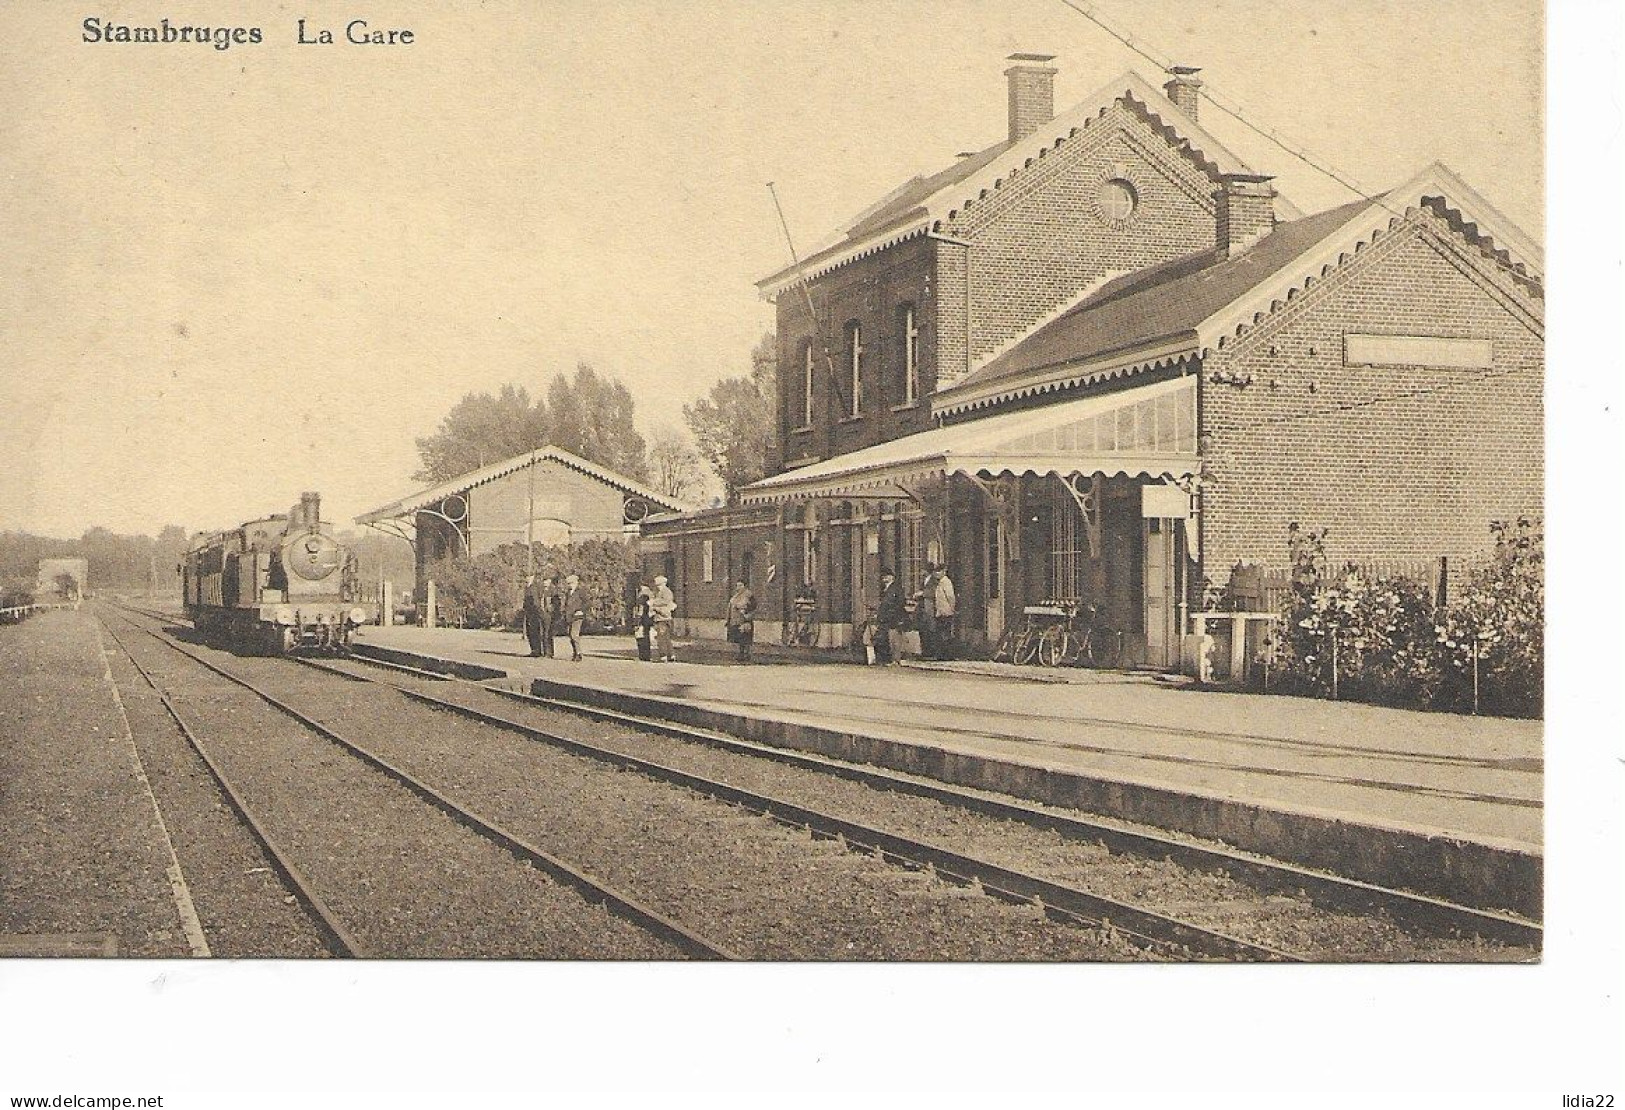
550 494
1103 360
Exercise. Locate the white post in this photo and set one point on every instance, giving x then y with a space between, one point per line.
429 606
386 605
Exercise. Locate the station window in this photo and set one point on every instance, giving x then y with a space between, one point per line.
1067 545
854 356
911 355
804 418
706 565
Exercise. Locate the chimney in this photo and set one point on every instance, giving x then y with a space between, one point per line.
310 509
1245 211
1184 88
1032 93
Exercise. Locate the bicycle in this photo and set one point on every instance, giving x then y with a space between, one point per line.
805 626
1080 639
1019 644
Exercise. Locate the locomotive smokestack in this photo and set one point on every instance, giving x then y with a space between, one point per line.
310 509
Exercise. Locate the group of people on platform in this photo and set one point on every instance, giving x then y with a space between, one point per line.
930 611
550 609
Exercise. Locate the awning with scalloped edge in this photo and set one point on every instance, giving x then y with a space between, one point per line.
1148 431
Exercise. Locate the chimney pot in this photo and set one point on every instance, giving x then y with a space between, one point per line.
1032 93
1184 88
1244 211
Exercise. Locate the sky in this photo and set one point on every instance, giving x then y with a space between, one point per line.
230 276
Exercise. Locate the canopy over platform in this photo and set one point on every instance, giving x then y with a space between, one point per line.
1147 431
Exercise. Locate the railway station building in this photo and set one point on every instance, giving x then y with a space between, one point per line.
1104 361
550 495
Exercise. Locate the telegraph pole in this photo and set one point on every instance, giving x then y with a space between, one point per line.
530 515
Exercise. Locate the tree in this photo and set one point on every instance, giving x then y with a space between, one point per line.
736 426
592 417
480 430
674 463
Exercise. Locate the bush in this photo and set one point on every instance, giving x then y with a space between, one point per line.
488 590
1382 639
1501 618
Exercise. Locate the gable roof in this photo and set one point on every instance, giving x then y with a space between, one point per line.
923 203
406 506
1180 308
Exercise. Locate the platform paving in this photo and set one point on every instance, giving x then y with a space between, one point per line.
1406 780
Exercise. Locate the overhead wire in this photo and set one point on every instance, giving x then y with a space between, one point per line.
1302 154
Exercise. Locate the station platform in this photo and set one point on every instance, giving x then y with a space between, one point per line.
1442 804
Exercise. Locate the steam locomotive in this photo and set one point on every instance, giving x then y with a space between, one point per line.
276 585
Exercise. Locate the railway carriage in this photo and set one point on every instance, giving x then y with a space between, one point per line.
275 585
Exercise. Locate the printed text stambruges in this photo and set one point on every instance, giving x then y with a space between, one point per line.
221 38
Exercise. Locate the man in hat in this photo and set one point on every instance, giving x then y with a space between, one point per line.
889 619
663 606
535 605
575 612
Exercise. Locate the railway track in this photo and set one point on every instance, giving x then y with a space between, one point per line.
342 940
1424 914
1412 910
1181 928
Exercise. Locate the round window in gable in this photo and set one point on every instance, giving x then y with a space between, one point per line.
1116 201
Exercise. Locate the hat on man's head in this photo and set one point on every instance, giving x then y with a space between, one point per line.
885 572
572 578
660 579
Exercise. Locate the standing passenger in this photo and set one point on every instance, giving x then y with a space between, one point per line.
643 622
552 606
889 620
946 604
925 616
663 606
575 612
742 620
534 606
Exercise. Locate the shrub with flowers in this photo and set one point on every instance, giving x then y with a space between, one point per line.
1351 635
1491 643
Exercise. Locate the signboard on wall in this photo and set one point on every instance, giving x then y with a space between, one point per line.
1164 501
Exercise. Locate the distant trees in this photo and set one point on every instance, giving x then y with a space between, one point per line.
675 466
115 561
482 429
587 414
736 426
592 417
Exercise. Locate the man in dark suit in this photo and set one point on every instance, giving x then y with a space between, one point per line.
535 608
888 619
576 602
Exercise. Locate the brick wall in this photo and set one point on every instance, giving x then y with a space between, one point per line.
1031 246
1398 462
871 291
497 510
1039 239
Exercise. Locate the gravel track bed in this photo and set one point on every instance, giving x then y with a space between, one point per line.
81 851
405 878
245 908
1282 920
767 891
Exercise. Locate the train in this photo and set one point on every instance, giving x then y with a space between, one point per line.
274 586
